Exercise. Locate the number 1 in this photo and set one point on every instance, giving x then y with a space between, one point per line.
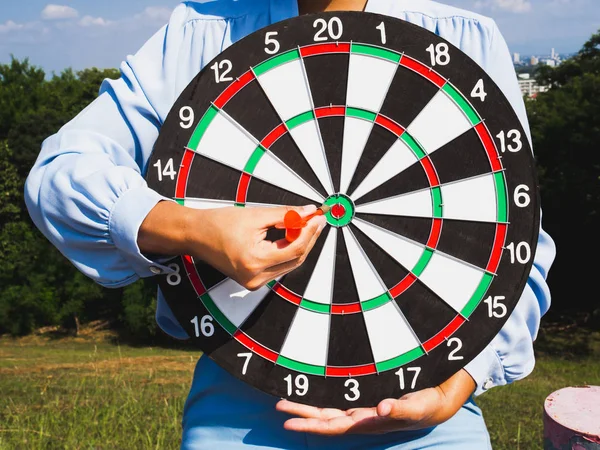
381 28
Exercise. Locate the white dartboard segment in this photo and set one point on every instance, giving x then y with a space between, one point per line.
272 170
308 139
405 252
368 81
356 134
368 283
473 199
390 335
453 281
397 159
416 204
287 89
307 338
320 285
226 142
439 123
235 301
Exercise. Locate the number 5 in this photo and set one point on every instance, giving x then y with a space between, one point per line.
270 41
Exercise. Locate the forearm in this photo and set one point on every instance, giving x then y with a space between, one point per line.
166 229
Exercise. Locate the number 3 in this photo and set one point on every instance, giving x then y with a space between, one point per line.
353 385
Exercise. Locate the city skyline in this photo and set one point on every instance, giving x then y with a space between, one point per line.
81 34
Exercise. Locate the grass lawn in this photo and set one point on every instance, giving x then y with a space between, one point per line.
91 393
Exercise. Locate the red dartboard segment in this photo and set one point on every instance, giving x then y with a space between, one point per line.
257 348
349 372
499 240
190 268
319 49
446 333
242 190
490 147
233 89
436 231
282 291
401 287
422 69
389 124
274 135
184 172
350 308
430 171
330 111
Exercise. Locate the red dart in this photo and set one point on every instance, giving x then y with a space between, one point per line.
294 222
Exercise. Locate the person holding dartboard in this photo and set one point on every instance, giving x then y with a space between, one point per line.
417 284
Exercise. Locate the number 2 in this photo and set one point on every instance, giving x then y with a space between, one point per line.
453 354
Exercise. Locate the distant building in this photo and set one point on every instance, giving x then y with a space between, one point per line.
517 58
529 86
550 62
534 61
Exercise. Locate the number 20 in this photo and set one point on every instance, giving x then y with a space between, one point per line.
334 28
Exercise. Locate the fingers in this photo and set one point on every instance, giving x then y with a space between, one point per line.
279 252
273 217
306 411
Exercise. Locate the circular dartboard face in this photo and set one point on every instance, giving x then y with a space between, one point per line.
434 202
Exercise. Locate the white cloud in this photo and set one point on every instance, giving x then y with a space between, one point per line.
59 12
155 13
515 6
9 26
89 21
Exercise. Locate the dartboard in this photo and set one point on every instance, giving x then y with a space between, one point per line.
434 202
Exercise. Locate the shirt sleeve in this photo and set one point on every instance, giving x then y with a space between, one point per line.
510 356
86 192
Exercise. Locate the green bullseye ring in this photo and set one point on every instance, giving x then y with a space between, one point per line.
341 212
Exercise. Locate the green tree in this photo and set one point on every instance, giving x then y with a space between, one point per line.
565 124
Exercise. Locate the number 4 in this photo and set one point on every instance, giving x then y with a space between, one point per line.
479 91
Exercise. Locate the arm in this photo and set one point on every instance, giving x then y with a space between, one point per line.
87 194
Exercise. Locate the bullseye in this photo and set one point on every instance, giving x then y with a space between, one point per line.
338 211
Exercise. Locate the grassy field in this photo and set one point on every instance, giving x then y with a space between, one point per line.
92 393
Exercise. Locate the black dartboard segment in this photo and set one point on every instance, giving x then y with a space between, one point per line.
435 206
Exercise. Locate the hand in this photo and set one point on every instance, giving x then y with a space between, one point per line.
231 239
414 411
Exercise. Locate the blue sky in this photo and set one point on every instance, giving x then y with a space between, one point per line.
56 34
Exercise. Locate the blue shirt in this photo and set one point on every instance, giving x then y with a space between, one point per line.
87 193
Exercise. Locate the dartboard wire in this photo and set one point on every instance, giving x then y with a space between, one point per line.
225 203
271 154
312 105
368 260
288 131
344 190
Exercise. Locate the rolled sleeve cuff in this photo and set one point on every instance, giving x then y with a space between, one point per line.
124 223
487 370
